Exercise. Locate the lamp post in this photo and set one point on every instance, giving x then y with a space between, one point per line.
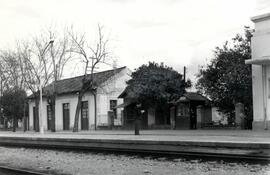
40 92
140 111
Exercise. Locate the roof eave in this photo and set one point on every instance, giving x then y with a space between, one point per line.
259 18
259 61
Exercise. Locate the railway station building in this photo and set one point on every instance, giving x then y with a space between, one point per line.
260 48
109 86
191 111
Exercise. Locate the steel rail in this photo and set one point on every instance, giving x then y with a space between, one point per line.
17 171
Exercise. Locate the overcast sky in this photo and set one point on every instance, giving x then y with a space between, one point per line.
176 32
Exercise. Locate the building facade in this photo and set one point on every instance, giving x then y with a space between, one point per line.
261 72
186 112
180 114
109 85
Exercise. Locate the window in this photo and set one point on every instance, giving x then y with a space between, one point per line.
49 116
84 109
35 118
66 106
84 116
182 110
113 104
65 116
49 112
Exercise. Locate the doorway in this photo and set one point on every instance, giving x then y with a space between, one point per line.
66 116
84 116
35 119
49 117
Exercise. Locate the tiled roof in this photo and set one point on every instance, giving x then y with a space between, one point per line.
74 84
194 96
191 96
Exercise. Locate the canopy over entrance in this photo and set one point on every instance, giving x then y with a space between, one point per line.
259 61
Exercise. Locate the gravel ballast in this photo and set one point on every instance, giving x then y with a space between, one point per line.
83 163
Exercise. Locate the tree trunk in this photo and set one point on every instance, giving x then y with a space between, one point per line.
36 123
24 124
5 123
53 114
137 120
78 109
53 101
14 123
137 126
24 119
95 106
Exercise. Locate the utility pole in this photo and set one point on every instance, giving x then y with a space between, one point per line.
137 122
1 96
184 74
40 92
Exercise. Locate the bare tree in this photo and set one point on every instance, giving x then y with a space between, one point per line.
10 70
36 67
36 63
4 83
2 79
11 79
92 56
61 54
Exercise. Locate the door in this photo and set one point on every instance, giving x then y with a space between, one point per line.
110 119
193 117
35 119
112 114
182 116
49 117
84 116
66 116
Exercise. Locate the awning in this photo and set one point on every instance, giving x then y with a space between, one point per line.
259 61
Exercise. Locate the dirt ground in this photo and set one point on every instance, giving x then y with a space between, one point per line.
84 163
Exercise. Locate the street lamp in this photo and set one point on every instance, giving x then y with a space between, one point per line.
40 91
137 119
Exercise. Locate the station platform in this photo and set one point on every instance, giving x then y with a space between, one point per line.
213 143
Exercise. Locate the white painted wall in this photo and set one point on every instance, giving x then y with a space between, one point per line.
44 113
257 91
151 116
31 116
110 90
218 116
260 48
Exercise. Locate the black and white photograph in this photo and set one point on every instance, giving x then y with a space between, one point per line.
134 87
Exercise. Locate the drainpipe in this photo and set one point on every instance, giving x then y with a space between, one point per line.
264 83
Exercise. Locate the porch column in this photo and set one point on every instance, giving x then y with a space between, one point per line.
172 117
151 117
239 115
260 71
200 115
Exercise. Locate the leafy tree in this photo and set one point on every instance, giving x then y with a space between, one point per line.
13 103
156 84
227 80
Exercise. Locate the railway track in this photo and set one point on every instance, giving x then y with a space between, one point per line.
5 170
232 150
